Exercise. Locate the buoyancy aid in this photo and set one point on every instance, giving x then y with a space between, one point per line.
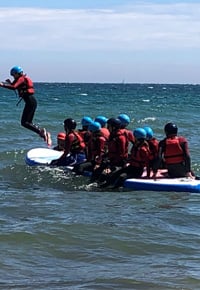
26 88
130 136
97 146
173 152
78 144
140 155
85 134
117 147
126 134
105 132
153 147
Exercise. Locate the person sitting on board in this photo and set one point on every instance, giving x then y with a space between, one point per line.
84 132
125 121
175 152
116 156
153 147
103 121
96 150
24 86
139 158
74 146
60 142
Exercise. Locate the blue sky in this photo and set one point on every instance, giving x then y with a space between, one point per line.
102 40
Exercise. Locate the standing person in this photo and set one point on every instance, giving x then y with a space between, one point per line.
24 86
174 150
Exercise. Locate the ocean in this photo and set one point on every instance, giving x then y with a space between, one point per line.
59 232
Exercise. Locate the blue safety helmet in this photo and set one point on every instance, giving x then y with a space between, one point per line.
149 132
125 120
94 127
86 121
16 70
140 133
102 120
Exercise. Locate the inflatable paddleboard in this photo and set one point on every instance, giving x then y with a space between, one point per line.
44 156
183 184
41 156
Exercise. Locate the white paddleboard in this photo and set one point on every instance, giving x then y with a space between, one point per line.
42 156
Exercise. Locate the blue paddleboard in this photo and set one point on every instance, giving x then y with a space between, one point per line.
183 184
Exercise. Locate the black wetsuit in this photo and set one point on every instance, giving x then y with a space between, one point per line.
28 113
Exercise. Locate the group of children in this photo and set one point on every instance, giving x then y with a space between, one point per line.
105 146
113 153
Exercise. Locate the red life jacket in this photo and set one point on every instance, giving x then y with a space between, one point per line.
27 87
153 147
130 136
140 155
78 145
105 132
85 134
173 152
117 147
96 146
127 134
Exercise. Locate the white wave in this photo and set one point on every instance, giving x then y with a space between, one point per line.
145 120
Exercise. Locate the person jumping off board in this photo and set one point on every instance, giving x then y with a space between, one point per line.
24 85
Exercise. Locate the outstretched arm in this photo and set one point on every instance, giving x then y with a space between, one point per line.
12 85
7 86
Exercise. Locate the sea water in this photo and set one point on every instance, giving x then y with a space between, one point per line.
59 232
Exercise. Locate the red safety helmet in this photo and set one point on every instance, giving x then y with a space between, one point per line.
61 136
